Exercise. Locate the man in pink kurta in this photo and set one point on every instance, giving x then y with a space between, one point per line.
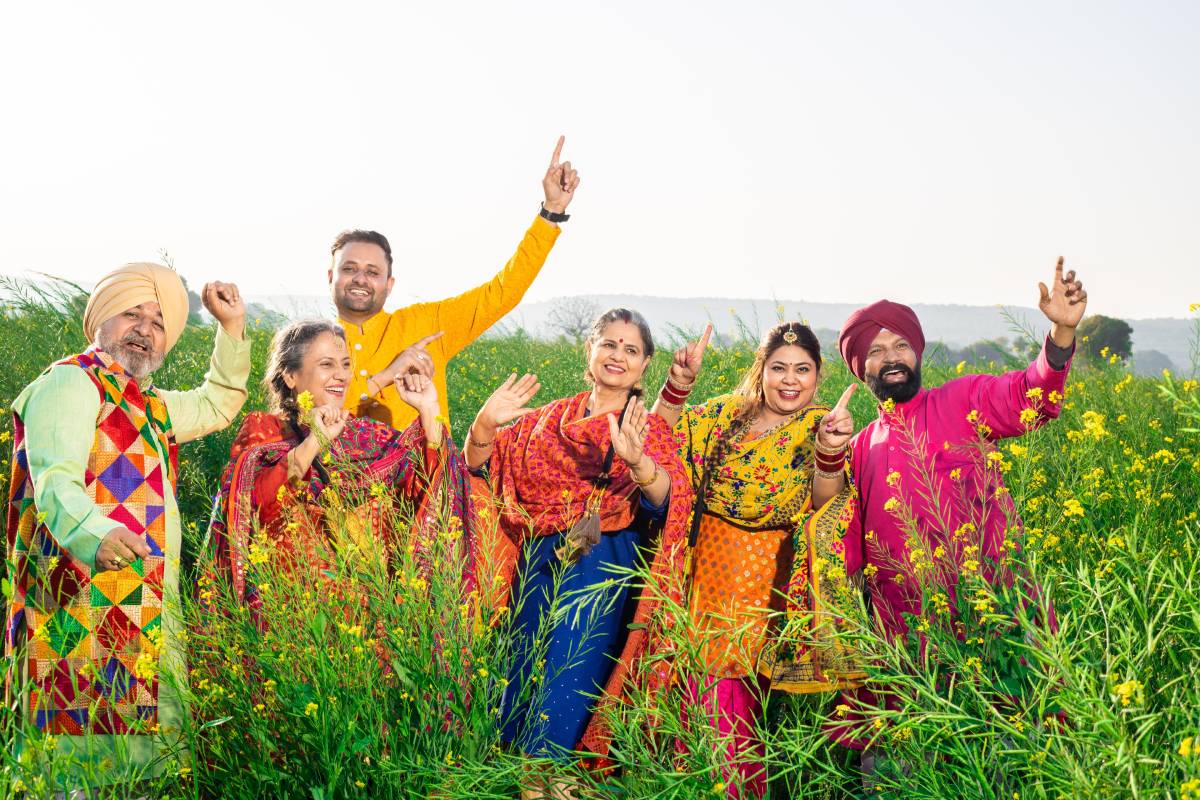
940 416
931 436
937 438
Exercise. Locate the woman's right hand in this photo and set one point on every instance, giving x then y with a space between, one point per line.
509 401
685 367
328 421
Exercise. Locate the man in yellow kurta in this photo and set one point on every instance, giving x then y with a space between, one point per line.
94 534
424 337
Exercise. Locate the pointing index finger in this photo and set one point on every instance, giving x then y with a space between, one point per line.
844 401
557 151
430 338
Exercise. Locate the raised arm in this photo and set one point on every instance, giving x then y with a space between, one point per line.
507 403
420 393
628 441
834 432
1002 399
465 317
681 378
215 403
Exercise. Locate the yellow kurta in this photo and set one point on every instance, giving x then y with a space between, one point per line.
462 319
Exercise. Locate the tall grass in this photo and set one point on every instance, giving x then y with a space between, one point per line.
377 682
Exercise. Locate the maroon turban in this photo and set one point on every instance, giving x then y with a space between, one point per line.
864 325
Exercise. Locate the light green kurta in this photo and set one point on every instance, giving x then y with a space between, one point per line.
59 410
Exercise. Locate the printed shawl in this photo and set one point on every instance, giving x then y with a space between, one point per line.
366 455
766 483
542 470
86 630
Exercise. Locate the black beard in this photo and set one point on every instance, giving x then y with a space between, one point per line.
896 392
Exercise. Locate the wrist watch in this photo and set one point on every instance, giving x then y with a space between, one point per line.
552 216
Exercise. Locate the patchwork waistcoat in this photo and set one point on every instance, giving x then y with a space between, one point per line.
88 640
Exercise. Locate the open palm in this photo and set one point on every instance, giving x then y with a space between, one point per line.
510 400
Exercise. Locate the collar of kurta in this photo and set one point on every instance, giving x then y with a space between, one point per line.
373 326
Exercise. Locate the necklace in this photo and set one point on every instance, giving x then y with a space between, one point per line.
783 423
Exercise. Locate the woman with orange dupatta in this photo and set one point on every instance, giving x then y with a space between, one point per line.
768 466
276 459
586 487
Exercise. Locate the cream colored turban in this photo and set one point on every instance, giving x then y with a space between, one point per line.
132 285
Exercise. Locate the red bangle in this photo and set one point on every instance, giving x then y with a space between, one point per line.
830 463
672 395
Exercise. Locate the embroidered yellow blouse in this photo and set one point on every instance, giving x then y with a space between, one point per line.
463 319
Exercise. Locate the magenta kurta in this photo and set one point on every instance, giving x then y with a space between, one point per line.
940 417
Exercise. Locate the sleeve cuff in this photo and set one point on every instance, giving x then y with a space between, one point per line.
543 230
85 551
1058 357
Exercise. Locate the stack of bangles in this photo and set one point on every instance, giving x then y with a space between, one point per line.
673 395
830 463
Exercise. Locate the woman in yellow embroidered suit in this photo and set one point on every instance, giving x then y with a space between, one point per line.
773 501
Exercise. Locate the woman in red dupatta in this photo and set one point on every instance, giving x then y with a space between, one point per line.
545 472
276 467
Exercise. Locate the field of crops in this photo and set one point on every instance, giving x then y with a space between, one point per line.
381 683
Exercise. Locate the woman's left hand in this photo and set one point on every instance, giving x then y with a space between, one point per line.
630 437
418 391
837 427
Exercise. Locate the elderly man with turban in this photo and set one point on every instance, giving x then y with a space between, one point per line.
882 344
93 525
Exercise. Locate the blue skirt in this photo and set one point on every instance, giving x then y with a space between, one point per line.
581 635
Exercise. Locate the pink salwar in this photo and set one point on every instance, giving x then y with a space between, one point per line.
735 707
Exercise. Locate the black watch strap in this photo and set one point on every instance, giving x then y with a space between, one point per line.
553 217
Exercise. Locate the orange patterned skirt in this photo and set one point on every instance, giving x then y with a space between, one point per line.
738 579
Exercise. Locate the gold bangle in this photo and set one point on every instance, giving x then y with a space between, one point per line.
669 404
471 440
653 477
820 473
681 389
837 451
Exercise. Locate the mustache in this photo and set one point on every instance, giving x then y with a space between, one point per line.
133 338
903 369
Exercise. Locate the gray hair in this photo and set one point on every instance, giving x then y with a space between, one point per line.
626 315
288 348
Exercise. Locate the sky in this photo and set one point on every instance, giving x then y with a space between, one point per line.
938 152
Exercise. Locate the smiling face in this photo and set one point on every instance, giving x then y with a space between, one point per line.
324 372
360 281
617 357
136 338
891 368
789 379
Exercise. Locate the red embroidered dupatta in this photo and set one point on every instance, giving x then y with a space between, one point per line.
541 473
439 487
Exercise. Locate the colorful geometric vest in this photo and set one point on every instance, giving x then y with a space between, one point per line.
83 631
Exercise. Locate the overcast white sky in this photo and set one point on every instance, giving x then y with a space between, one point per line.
833 151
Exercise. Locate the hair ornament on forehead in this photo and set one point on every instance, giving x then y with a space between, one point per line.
789 336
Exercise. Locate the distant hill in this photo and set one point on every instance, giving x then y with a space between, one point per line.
956 325
1158 343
